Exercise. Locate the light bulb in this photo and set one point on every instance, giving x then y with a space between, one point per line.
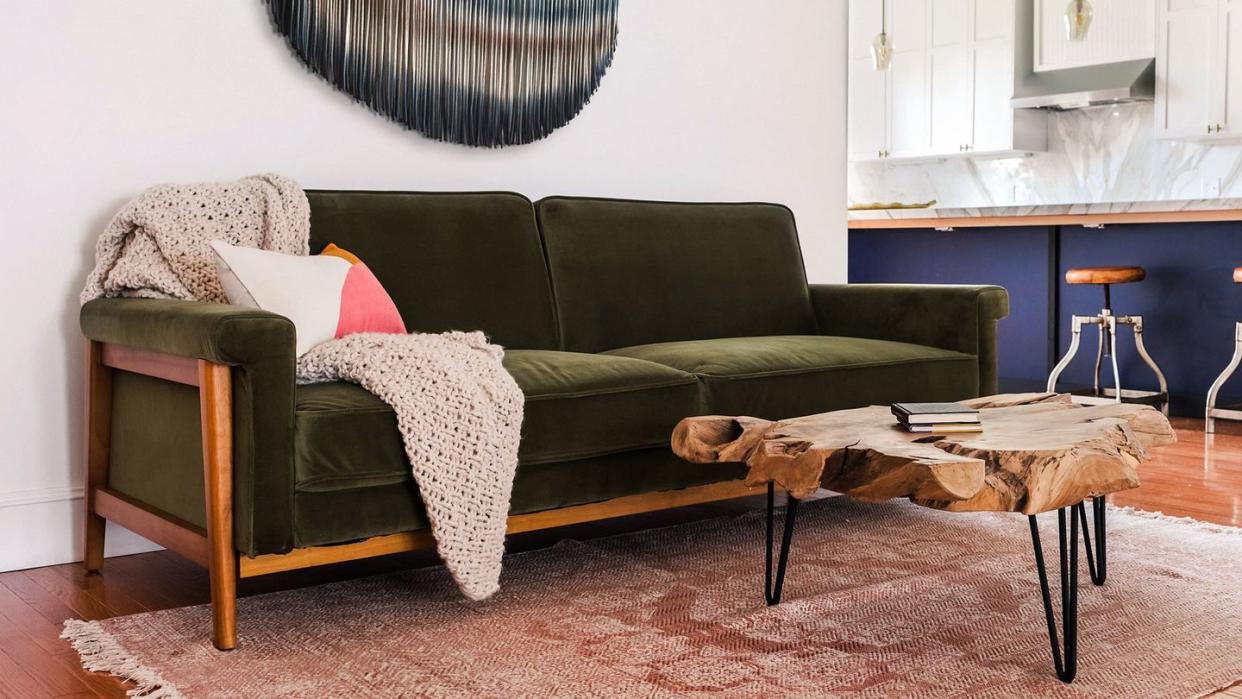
881 51
1078 16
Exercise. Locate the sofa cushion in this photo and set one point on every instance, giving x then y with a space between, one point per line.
634 272
450 261
577 406
336 516
787 376
581 405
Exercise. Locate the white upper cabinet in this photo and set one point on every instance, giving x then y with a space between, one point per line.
868 88
949 75
947 92
1199 70
1121 30
1227 67
908 126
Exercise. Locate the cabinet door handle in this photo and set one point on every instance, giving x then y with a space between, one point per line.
1218 128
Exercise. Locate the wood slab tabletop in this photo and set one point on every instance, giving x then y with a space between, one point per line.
1037 452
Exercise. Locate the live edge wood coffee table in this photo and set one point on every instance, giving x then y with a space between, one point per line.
1037 453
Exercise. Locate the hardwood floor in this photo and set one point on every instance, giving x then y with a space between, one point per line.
1199 477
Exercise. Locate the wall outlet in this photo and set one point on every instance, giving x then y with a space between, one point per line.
1211 186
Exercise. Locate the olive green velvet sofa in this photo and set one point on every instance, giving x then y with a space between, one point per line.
619 318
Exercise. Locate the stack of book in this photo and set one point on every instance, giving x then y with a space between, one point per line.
937 417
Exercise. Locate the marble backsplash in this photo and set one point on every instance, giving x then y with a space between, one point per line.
1100 155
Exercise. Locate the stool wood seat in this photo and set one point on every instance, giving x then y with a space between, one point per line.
1237 275
1112 275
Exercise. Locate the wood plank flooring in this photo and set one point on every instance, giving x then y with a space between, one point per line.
1199 477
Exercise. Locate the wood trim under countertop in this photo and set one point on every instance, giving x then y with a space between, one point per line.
1051 219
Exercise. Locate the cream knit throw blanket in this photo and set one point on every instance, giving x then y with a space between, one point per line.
458 410
460 414
156 246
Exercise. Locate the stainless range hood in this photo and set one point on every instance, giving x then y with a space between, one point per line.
1073 88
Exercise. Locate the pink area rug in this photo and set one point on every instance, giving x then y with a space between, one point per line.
880 601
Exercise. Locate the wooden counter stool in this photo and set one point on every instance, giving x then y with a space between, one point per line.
1214 412
1106 324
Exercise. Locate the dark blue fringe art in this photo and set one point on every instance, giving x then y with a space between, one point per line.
477 72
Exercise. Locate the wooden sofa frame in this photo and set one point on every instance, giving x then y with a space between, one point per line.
213 546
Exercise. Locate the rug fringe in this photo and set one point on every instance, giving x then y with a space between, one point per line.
1199 525
99 651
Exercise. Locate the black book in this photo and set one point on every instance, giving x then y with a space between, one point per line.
932 413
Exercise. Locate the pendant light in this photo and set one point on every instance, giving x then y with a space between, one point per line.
881 47
1078 16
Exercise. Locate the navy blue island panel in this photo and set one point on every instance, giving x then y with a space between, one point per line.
1018 259
1189 302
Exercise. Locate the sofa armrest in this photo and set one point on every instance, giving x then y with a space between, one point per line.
259 346
953 317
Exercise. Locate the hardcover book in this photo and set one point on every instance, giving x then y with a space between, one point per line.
932 413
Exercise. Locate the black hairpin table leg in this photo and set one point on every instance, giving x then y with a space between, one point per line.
772 590
1097 564
1064 660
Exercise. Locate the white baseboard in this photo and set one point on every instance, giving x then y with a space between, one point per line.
44 527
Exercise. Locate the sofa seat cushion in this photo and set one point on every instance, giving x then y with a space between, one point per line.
332 517
577 406
335 517
790 375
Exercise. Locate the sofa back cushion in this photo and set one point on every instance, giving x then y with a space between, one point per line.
636 272
450 261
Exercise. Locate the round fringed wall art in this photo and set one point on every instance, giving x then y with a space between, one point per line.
476 72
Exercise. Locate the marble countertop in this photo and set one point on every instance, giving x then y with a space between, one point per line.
1049 209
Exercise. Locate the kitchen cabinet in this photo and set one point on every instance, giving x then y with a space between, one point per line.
949 75
947 91
868 88
1121 30
908 127
1199 70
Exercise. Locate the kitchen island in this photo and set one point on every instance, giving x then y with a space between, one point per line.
1189 301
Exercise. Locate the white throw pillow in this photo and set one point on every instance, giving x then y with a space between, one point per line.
326 296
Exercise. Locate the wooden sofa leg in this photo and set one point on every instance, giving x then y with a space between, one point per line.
216 406
98 429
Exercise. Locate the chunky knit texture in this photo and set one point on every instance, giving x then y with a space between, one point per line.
458 410
157 245
460 414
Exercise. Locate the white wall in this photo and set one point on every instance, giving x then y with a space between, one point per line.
706 99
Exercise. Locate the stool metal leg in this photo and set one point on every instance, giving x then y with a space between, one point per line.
1209 415
1137 323
1099 357
1076 323
1110 323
